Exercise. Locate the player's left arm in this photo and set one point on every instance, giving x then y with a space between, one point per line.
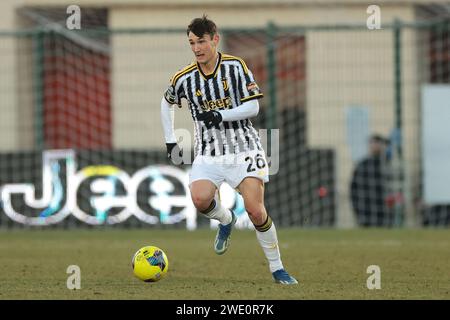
248 87
250 93
249 106
248 109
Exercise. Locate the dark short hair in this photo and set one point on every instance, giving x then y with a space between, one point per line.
379 138
202 26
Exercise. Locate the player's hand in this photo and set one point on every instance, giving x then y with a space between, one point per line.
210 118
174 153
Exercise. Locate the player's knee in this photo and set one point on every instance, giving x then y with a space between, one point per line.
201 201
256 212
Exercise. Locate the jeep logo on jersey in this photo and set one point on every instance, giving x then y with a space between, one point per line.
224 103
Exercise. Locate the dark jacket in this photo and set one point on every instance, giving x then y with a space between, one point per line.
367 192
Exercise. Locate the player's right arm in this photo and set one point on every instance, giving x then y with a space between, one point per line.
172 96
168 120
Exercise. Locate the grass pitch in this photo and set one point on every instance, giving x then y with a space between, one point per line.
329 264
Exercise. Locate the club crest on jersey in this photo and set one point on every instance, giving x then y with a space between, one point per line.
198 93
225 84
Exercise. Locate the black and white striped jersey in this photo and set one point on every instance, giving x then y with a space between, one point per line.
230 85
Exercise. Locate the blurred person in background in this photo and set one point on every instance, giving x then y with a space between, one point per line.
369 184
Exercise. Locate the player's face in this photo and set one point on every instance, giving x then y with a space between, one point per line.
204 47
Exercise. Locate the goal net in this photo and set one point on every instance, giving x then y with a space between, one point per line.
82 144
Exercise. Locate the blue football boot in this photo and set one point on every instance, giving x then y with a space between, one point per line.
222 240
281 276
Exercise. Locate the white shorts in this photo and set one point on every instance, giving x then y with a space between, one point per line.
232 168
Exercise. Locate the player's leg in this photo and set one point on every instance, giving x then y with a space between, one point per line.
204 182
203 196
252 190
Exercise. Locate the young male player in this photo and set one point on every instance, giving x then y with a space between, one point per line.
222 95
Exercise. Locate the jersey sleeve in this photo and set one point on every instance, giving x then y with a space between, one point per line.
248 87
174 92
171 96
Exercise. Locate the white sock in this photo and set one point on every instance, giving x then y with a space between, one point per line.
218 212
267 237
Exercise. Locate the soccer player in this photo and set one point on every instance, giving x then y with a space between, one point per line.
222 95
